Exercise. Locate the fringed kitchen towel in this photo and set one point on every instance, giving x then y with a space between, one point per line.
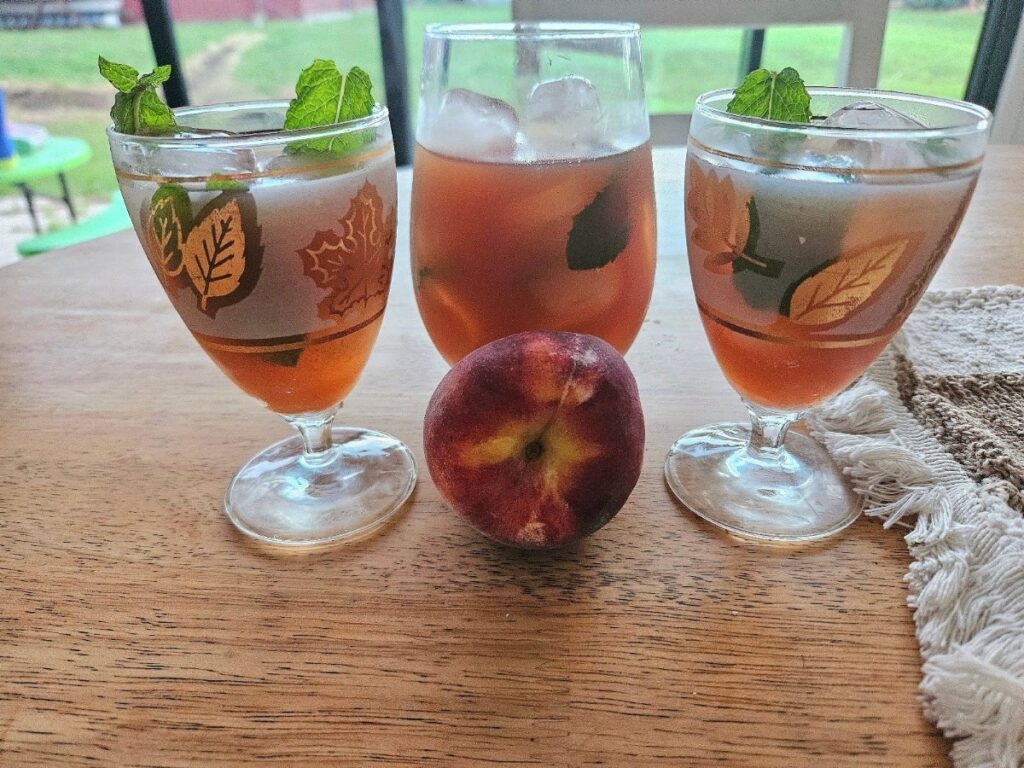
933 436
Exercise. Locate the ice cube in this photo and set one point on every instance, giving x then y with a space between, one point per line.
469 124
303 166
885 152
562 118
832 161
210 161
869 115
202 133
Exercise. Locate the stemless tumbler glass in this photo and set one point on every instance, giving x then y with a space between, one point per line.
808 247
533 197
276 247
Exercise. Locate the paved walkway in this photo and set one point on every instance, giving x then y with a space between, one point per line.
16 225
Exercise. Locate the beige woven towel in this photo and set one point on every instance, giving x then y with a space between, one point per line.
934 432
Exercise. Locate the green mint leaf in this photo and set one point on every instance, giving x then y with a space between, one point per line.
121 76
317 96
152 116
122 113
137 107
157 76
772 96
600 232
357 99
220 183
323 96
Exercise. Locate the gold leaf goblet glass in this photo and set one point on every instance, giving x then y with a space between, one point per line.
808 247
276 249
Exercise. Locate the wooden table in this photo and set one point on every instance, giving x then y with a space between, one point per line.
137 628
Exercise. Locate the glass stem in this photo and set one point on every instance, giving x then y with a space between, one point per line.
768 432
315 431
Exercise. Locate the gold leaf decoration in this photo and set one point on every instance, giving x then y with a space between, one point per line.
719 220
166 238
355 264
720 263
166 223
214 253
844 285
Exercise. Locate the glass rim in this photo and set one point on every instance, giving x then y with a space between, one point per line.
378 116
532 30
981 123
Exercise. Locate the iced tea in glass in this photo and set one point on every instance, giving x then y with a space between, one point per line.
533 196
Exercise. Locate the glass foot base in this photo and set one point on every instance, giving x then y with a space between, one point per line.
798 496
282 498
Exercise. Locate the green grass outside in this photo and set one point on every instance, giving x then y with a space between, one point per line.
925 51
68 57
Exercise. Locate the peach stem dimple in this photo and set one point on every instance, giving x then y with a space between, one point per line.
534 449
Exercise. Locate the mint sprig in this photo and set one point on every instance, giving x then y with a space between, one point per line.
220 183
323 96
772 96
137 107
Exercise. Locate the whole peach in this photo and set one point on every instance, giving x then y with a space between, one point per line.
536 439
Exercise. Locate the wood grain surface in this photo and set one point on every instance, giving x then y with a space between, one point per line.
137 628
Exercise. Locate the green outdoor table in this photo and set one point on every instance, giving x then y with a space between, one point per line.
55 157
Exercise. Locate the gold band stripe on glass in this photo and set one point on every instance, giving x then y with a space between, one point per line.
837 342
284 343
